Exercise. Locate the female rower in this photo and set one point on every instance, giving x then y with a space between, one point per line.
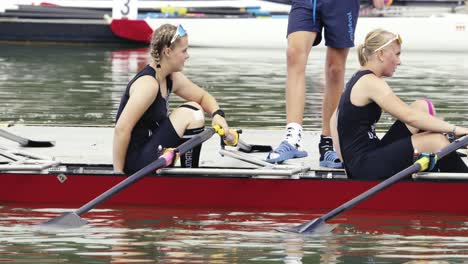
144 126
366 94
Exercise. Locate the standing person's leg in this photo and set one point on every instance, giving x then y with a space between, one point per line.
299 46
334 82
335 65
302 32
297 55
340 19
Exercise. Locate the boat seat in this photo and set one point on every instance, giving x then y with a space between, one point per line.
17 160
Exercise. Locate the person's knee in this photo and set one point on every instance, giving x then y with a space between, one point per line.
424 105
191 105
188 115
197 117
431 142
440 140
296 57
335 71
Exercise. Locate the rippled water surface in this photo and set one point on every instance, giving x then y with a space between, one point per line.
160 235
83 84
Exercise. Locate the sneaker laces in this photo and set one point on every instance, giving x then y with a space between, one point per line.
293 137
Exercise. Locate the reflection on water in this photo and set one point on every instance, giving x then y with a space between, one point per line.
83 84
143 234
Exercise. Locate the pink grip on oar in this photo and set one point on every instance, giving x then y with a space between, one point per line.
168 157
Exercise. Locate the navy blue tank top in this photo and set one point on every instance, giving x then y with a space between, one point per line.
156 112
356 125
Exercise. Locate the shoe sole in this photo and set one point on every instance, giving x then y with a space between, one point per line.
279 160
331 164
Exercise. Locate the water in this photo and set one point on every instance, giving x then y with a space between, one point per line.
181 235
83 84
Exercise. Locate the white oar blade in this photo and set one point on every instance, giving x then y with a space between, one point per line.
316 227
67 220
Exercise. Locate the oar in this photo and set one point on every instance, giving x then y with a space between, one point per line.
318 225
241 144
249 148
73 219
25 142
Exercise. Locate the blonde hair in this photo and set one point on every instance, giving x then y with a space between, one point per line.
161 38
374 40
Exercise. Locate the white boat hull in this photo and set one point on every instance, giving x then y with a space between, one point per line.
441 32
448 32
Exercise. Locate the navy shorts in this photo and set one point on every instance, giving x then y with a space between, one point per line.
394 154
144 149
337 18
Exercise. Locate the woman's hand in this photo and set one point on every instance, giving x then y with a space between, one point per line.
230 136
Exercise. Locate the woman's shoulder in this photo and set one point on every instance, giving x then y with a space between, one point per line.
371 86
145 84
147 70
176 76
372 81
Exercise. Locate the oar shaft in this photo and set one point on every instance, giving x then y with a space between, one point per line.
390 181
453 146
25 142
367 194
13 137
121 185
197 140
318 225
244 146
159 163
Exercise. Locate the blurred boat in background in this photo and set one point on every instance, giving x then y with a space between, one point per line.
425 25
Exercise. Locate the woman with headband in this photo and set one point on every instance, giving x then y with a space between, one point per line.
144 124
416 130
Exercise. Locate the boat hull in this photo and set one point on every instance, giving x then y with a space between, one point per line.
447 32
74 31
234 192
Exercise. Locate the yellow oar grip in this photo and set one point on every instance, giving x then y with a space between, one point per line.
229 141
424 162
219 130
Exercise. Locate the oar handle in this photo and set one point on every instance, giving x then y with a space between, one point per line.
159 163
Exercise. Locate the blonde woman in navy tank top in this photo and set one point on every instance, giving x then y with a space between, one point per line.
144 125
366 95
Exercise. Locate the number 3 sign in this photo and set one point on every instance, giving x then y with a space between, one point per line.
125 9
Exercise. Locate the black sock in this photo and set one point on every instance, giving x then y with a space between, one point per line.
191 158
326 144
